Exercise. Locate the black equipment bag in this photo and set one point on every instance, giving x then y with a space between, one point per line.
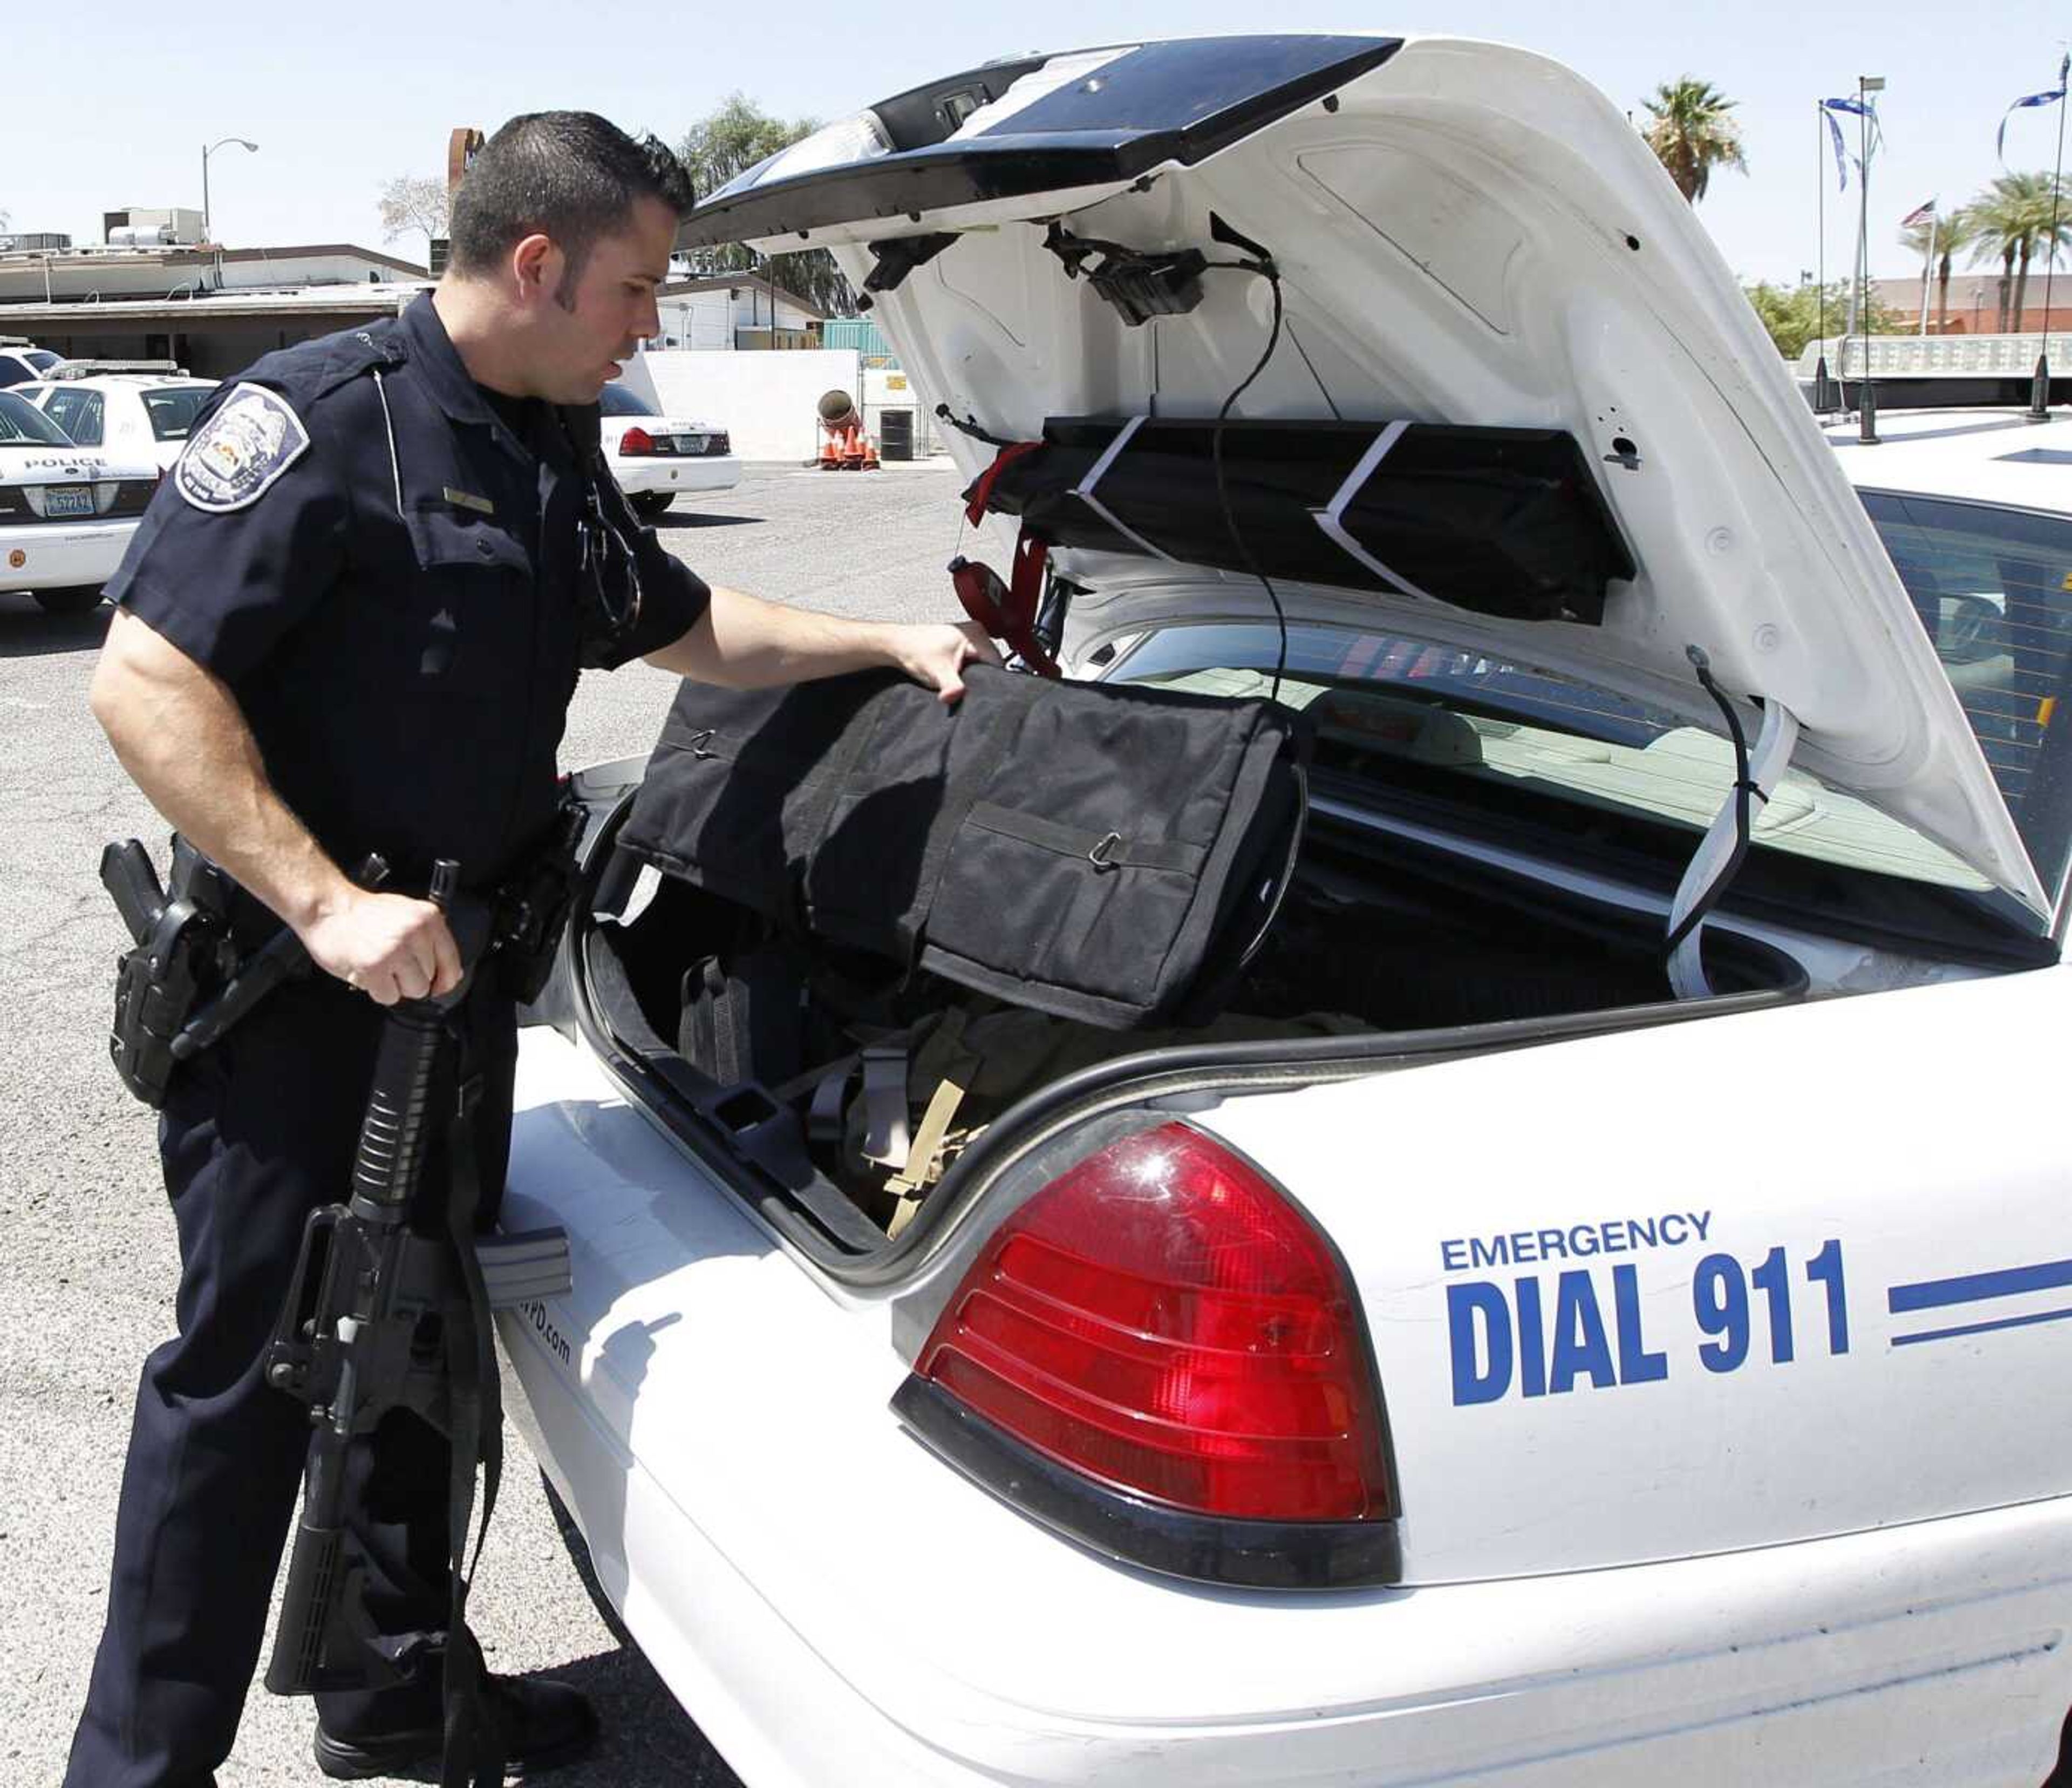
1105 853
1505 521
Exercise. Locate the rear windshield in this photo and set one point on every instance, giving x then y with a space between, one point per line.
1992 588
617 400
172 412
78 412
21 424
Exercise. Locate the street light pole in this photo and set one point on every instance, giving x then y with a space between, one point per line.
207 229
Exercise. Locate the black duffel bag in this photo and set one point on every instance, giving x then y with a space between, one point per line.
1109 854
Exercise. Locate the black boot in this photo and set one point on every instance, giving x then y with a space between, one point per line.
545 1724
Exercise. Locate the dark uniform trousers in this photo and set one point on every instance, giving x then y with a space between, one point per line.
261 1133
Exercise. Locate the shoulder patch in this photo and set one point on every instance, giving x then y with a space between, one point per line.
252 439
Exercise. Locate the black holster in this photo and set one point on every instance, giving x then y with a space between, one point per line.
183 957
533 907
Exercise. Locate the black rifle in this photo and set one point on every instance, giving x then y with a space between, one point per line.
372 1320
381 1317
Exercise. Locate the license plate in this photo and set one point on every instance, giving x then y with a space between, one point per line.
68 500
690 443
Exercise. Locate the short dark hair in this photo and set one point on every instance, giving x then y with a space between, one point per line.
570 175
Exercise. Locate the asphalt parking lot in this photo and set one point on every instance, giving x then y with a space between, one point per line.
87 1265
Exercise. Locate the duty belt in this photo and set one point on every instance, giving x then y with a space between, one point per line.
207 951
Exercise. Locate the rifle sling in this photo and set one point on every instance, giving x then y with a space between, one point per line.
475 1741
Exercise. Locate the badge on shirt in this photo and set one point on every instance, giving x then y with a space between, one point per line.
253 438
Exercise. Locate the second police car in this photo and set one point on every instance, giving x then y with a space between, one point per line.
657 459
67 512
139 415
1582 1362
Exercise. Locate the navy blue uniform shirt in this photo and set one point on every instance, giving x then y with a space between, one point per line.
399 623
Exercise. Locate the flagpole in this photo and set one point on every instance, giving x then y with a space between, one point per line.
1927 261
1824 390
1866 395
2039 393
1856 291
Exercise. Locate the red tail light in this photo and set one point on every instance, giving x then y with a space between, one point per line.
636 441
1161 1319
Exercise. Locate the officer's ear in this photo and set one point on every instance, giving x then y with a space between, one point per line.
537 265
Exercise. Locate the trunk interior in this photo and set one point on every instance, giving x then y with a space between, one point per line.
855 1086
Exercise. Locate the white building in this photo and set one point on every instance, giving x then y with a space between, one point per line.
732 311
99 273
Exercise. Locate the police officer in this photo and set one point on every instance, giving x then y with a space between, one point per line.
352 623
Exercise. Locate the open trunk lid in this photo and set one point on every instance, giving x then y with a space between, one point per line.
1464 235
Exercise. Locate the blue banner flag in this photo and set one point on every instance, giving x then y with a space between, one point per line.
2049 98
1856 108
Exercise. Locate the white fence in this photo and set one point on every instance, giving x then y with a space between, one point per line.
1901 356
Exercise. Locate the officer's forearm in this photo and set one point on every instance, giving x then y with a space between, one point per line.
180 735
742 642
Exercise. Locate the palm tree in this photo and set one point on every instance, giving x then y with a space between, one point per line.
1950 234
1691 134
2016 216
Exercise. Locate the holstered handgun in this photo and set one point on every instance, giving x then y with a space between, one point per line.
532 909
185 983
183 952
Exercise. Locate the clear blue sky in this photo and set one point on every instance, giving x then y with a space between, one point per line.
109 103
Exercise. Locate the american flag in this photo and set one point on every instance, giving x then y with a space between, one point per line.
1919 215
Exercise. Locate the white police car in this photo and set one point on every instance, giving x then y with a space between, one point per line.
145 416
658 459
67 512
1567 1368
20 363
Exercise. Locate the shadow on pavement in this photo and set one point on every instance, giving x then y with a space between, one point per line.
26 632
647 1741
668 521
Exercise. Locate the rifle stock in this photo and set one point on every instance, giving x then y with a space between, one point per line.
315 1587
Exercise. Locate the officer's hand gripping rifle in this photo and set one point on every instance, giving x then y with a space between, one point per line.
369 1325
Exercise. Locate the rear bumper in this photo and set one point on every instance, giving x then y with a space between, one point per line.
56 554
1966 1682
663 472
717 1422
